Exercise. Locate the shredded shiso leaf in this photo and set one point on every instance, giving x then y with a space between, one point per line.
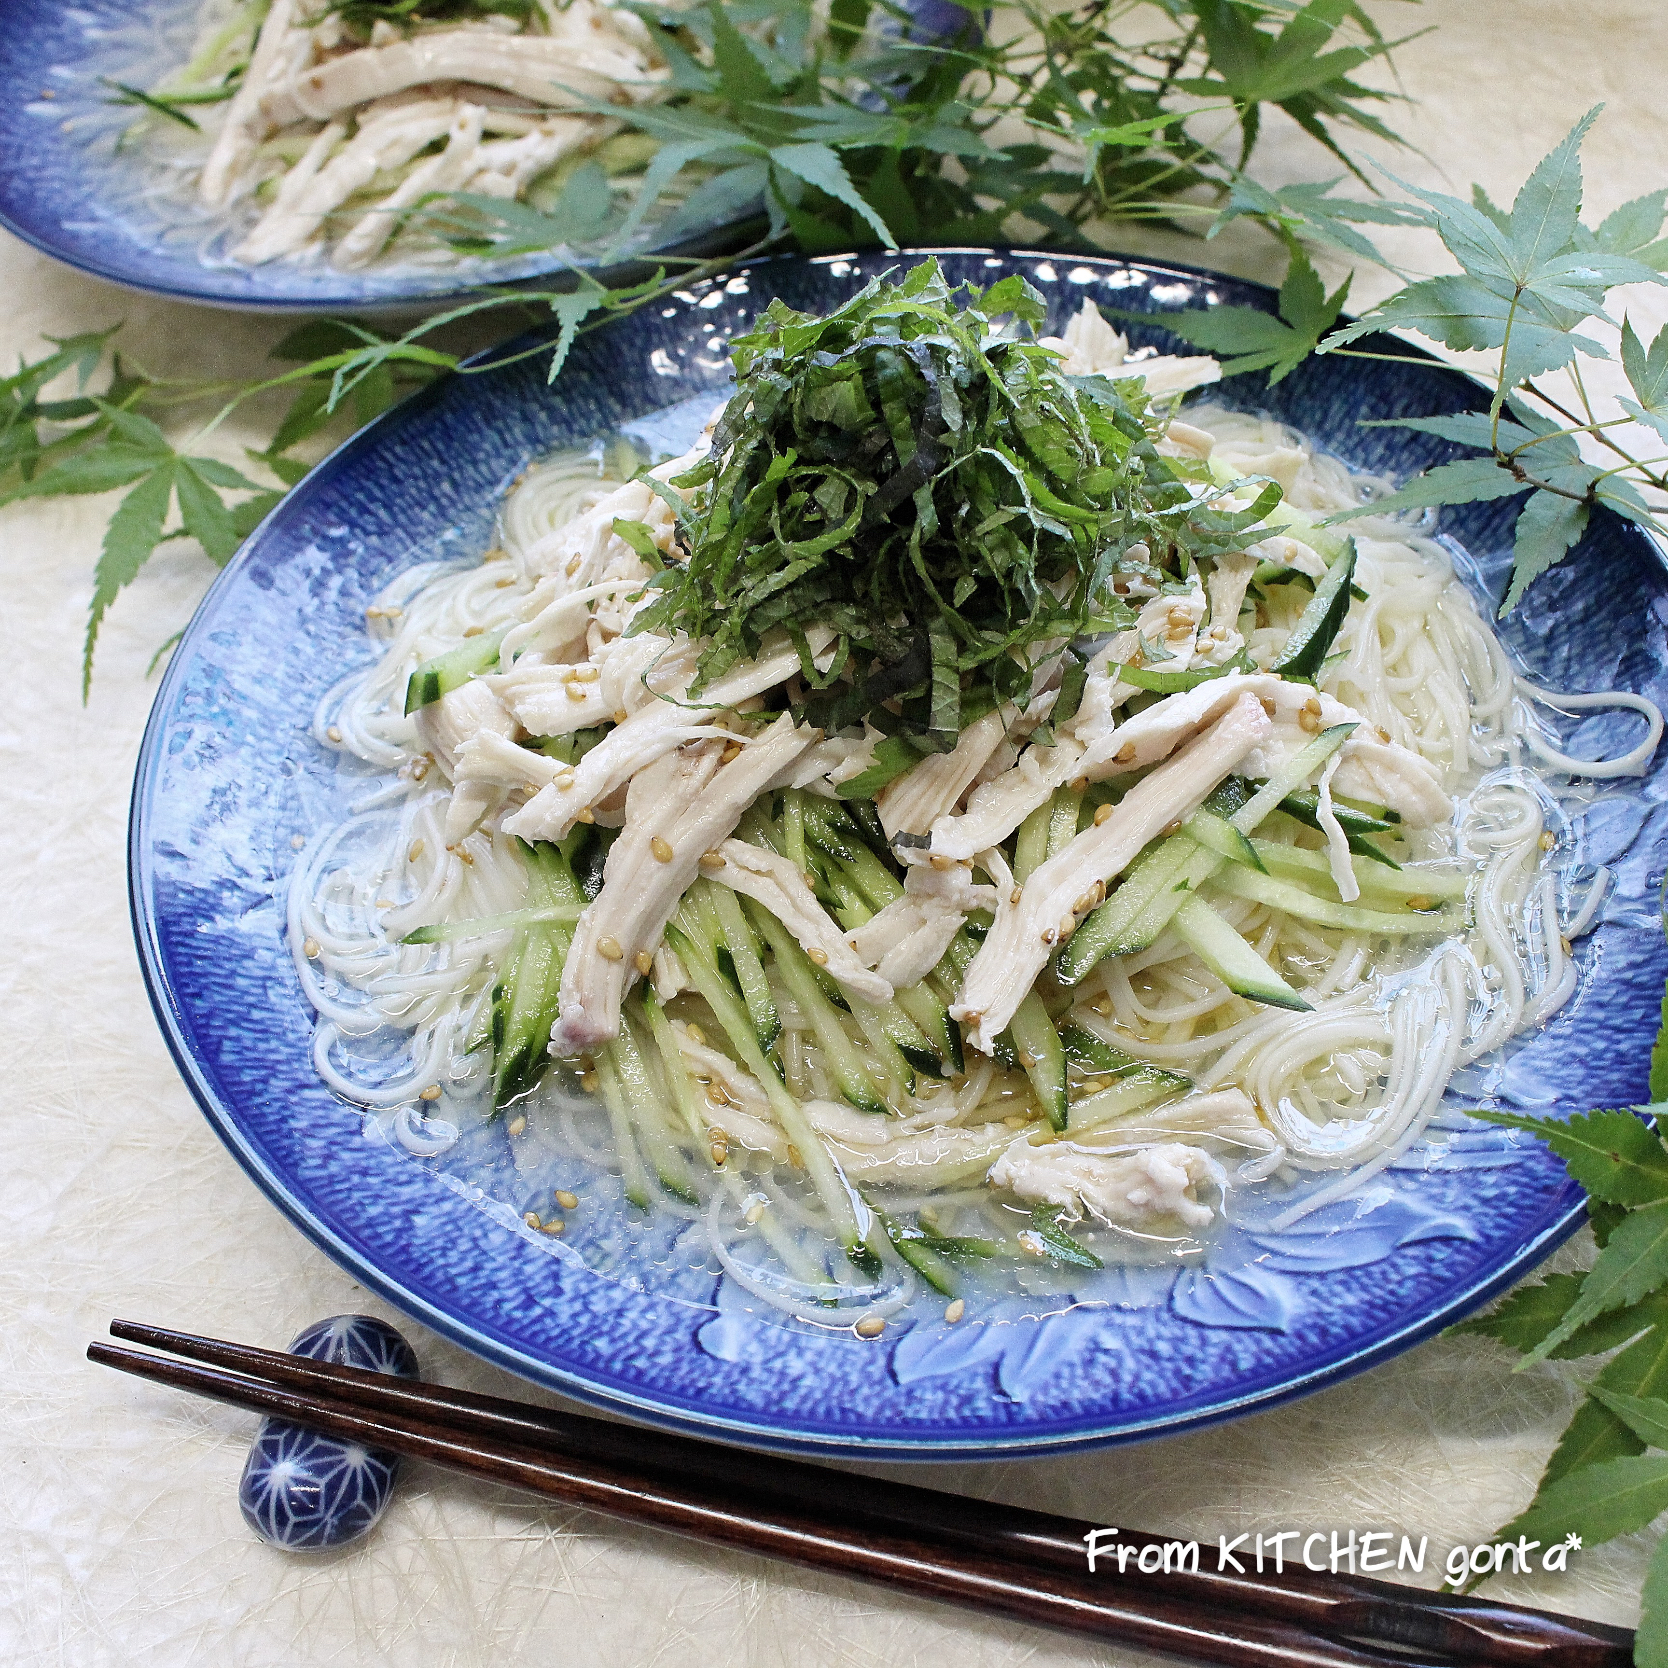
915 473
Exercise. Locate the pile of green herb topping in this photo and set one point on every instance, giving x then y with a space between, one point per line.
915 473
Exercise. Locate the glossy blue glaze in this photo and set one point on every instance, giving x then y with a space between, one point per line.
307 1492
617 1314
67 188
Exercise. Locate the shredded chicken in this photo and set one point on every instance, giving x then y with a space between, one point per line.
912 802
781 887
443 729
1126 1190
648 734
686 802
405 90
907 939
1047 906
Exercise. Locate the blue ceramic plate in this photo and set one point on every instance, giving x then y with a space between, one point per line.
230 777
119 214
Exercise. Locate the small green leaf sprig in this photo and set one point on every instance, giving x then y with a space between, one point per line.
110 434
1530 279
1608 1475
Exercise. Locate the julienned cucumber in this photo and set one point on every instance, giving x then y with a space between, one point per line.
1170 871
1318 626
1293 900
1042 1055
444 932
1231 959
1219 835
453 669
1309 867
1089 1054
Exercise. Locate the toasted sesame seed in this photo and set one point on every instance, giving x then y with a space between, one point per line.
1029 1243
575 693
420 768
1313 705
719 1095
1028 1060
473 631
795 1157
1548 840
1173 827
955 1311
467 855
432 1092
586 674
620 715
554 1226
696 1034
1083 904
333 733
587 815
531 1218
572 567
1102 812
1016 1122
588 1082
712 860
517 1125
1419 901
1068 925
662 849
720 1151
871 1326
820 957
609 949
567 1200
1384 735
1125 754
498 553
940 862
754 1212
414 851
373 613
1564 944
1179 616
1079 783
385 903
312 949
732 751
1049 935
643 962
1309 722
1103 1007
503 584
562 780
1015 895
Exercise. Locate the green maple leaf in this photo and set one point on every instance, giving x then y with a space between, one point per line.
1650 1645
1598 1502
1633 1265
1616 1156
1257 340
1647 373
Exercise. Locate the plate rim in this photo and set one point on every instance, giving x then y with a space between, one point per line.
675 1414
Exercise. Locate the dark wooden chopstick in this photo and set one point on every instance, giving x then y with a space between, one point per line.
1033 1558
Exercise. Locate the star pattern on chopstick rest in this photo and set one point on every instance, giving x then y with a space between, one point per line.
303 1491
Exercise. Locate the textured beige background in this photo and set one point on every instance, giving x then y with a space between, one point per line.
120 1540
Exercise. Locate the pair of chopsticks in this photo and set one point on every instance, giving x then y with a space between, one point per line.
1025 1564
